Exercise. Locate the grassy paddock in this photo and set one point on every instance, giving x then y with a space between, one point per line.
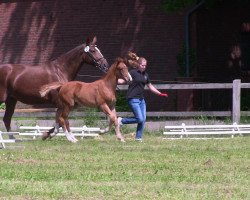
107 169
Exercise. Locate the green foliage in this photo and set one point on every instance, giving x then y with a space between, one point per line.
245 103
91 117
181 60
176 5
155 169
245 119
122 104
2 106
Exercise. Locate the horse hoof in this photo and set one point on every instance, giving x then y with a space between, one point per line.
102 131
121 139
45 135
12 137
73 140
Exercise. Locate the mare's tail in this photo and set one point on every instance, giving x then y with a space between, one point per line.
45 89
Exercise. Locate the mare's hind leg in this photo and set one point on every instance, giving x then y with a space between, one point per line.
9 111
63 121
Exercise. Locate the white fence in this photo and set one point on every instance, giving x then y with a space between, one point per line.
36 131
205 131
83 131
4 141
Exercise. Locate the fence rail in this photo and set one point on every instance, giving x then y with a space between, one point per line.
235 87
235 113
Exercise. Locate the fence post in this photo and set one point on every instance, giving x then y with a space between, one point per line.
236 101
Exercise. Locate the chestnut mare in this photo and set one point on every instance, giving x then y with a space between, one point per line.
100 93
19 82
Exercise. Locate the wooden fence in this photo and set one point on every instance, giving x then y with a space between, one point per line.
236 92
235 113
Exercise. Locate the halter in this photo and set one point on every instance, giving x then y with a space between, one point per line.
96 61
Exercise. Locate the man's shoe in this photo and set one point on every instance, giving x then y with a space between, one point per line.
138 139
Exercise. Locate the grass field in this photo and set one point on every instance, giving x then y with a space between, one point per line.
107 169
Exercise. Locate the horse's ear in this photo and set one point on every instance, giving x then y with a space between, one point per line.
91 40
119 59
87 41
132 56
94 40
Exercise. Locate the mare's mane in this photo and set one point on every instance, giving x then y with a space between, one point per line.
69 54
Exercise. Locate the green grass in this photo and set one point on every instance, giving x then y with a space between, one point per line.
108 169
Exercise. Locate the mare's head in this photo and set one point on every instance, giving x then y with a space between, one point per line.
122 70
94 56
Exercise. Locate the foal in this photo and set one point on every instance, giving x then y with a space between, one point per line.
100 93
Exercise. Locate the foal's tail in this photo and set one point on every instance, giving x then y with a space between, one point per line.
45 89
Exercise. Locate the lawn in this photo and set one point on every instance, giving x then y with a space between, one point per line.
108 169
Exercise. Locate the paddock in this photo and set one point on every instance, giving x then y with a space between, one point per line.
107 169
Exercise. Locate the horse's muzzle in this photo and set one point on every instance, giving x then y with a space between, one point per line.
104 66
129 77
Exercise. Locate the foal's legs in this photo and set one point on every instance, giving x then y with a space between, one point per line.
54 98
113 120
63 121
110 122
107 129
10 107
53 131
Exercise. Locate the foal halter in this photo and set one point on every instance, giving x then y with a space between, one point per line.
96 61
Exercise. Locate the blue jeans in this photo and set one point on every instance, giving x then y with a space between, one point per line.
138 107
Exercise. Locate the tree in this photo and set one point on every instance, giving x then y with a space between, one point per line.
176 5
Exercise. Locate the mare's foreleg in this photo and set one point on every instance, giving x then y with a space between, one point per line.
113 120
10 104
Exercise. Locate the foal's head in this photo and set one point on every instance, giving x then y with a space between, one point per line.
131 60
122 70
94 56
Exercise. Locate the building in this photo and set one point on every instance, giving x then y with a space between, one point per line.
33 32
